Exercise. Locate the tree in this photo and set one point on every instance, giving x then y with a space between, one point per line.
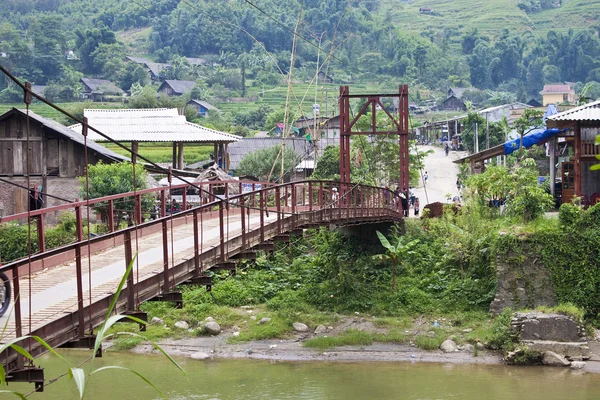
395 254
265 164
116 178
530 119
328 165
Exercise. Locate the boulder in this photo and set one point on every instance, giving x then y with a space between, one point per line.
157 321
300 327
182 325
209 319
212 328
468 330
577 364
480 346
468 347
554 327
236 334
572 351
320 329
448 346
264 320
555 360
431 334
199 356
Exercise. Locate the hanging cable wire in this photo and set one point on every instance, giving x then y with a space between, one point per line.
84 132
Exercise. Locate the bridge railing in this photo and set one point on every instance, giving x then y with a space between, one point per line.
242 220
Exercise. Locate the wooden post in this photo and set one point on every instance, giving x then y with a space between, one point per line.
180 155
577 164
134 151
174 154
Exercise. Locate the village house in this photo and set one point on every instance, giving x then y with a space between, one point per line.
558 94
452 103
156 71
577 152
456 91
99 89
202 107
56 160
324 78
176 88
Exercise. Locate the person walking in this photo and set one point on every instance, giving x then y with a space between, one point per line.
426 177
416 206
412 196
404 200
458 184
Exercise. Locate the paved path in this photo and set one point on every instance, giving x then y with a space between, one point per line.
442 176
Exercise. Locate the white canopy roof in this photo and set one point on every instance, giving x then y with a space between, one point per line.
149 125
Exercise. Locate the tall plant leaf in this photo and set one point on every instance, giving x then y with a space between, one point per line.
19 395
78 375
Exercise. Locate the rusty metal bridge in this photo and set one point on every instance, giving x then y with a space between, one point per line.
63 294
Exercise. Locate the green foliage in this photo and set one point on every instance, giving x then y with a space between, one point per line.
429 343
266 163
353 337
568 309
116 178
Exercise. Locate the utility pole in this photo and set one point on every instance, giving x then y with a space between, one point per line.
487 132
476 141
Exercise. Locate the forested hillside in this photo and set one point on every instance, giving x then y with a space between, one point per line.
510 47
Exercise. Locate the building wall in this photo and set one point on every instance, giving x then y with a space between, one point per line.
14 200
557 98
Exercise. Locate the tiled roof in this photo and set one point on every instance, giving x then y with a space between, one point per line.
180 87
204 104
101 85
157 68
68 133
587 112
557 89
150 125
139 60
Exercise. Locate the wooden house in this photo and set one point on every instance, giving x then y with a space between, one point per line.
578 151
56 159
324 78
202 107
176 88
156 71
456 91
99 89
453 103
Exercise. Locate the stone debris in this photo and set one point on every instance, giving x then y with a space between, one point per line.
212 328
182 325
448 346
300 327
555 360
157 321
320 330
199 356
577 364
264 320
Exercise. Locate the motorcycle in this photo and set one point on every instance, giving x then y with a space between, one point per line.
4 293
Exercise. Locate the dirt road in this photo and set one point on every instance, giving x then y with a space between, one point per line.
442 174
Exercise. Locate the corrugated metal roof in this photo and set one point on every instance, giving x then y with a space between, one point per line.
587 112
150 125
68 134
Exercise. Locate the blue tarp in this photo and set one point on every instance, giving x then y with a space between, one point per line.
530 140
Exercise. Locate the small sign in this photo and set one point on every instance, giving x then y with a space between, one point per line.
247 187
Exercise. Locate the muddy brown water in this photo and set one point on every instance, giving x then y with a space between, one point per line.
256 379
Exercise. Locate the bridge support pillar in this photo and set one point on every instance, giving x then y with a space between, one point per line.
175 297
85 342
29 375
225 266
139 315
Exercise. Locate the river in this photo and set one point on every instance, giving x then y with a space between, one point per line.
254 379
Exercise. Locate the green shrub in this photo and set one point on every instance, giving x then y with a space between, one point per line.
570 214
429 343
